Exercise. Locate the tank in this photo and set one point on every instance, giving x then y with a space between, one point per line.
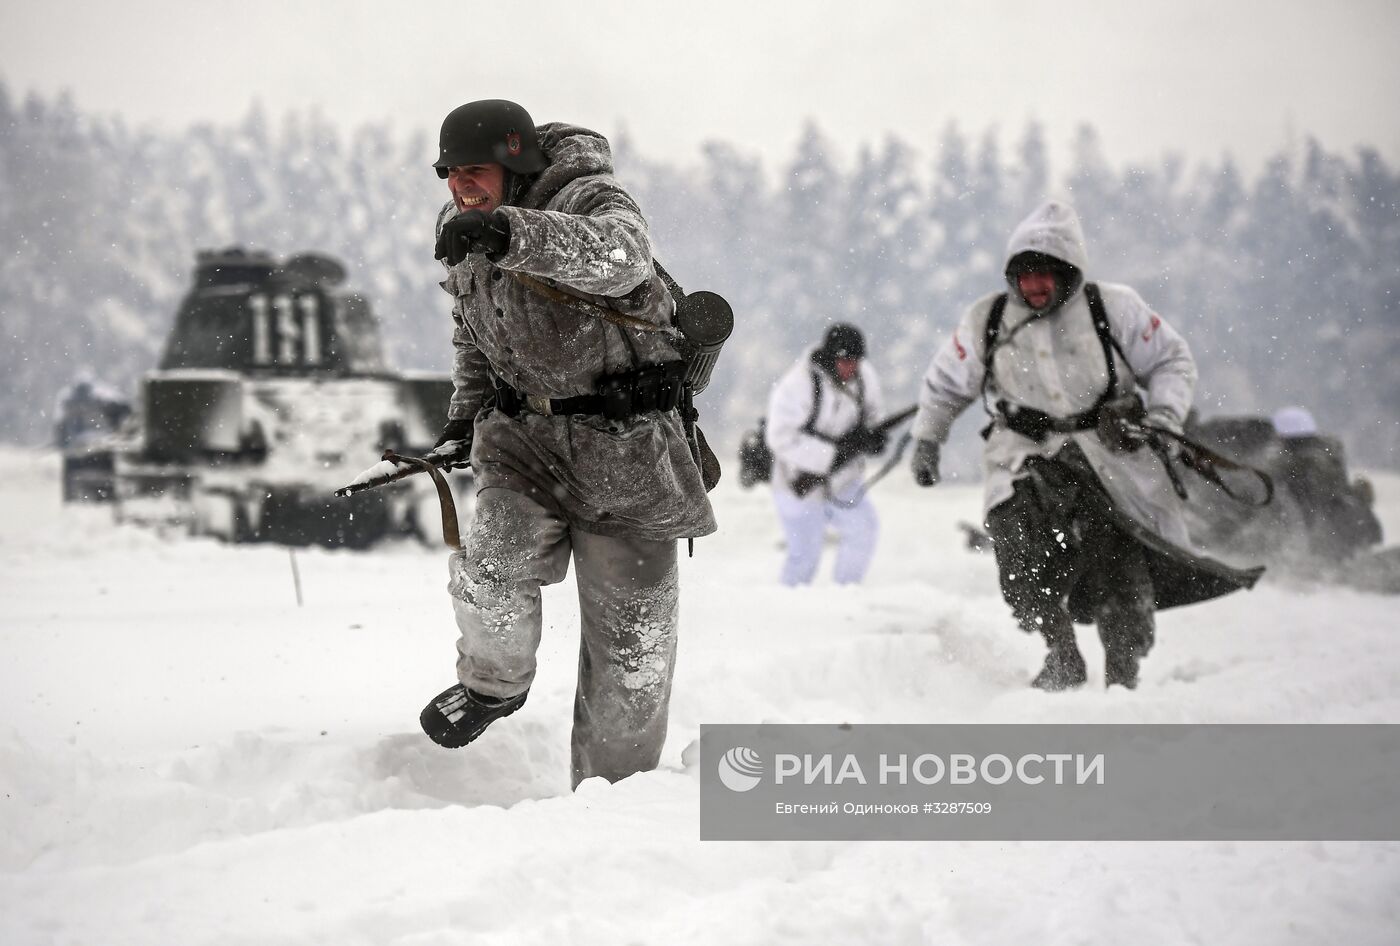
271 392
1320 523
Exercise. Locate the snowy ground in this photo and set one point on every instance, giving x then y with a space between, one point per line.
187 757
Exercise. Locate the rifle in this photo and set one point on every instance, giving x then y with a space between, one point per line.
806 482
1196 457
393 466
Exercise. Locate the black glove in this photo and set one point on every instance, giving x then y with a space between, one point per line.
925 463
1120 424
453 450
472 231
875 442
856 441
806 482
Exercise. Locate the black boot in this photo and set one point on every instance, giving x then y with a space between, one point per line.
1064 667
1127 630
1120 667
457 715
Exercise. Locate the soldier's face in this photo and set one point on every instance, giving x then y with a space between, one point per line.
1037 288
846 368
477 186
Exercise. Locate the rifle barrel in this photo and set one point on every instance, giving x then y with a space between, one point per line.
894 420
389 469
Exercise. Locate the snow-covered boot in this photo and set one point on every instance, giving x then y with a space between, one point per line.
1064 667
457 715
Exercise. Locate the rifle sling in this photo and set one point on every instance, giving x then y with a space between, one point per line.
562 297
1205 463
450 535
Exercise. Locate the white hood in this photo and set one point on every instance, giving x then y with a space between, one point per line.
1053 229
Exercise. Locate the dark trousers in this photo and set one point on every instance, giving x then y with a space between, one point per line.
1056 537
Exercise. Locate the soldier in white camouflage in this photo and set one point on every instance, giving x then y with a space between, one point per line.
1085 522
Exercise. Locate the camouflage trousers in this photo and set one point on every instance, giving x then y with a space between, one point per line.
1057 539
628 603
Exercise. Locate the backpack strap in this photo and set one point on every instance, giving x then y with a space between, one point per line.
989 341
1110 344
989 335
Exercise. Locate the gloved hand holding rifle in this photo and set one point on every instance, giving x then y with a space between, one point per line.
1124 426
451 452
859 441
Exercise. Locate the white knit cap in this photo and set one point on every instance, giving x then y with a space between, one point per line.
1294 422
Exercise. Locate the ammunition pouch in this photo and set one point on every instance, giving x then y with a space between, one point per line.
653 388
1037 425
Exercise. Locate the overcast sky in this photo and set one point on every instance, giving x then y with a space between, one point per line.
1199 77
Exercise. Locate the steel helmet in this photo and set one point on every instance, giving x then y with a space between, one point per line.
842 340
492 131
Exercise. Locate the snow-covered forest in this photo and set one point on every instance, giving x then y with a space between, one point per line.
1286 282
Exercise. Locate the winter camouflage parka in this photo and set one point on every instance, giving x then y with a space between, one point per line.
575 229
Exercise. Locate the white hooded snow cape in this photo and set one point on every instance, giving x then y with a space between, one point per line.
1056 364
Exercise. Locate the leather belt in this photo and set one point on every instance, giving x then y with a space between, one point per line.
511 402
646 389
